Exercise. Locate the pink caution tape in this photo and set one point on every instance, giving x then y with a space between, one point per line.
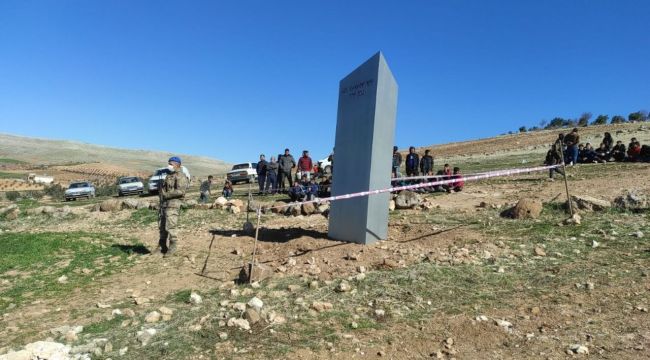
474 177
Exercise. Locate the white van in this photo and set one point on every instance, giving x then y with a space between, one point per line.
160 175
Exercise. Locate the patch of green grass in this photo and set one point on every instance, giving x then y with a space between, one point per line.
9 175
182 296
32 263
104 326
143 217
11 161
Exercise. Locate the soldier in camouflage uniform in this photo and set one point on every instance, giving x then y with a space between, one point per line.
172 192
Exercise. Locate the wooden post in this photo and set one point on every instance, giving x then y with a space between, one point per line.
566 181
257 233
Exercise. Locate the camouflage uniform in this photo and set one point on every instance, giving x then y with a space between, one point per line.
172 193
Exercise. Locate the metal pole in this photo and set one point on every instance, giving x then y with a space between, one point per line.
566 181
257 232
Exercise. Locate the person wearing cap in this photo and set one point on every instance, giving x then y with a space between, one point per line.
286 162
172 192
205 190
305 165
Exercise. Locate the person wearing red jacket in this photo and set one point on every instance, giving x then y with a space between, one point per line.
305 165
459 183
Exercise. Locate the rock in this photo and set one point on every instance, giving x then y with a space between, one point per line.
313 285
260 272
117 312
389 263
49 210
539 251
220 203
526 209
62 280
252 316
295 210
323 208
234 209
12 215
130 203
166 311
588 203
579 349
103 306
343 286
195 299
41 350
191 203
294 288
243 324
141 300
123 351
638 234
391 205
308 208
576 219
236 203
145 336
71 336
321 306
129 313
633 200
152 317
111 205
380 313
8 208
407 200
277 207
223 336
506 325
256 303
239 306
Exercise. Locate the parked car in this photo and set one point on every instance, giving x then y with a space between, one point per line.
80 189
129 185
160 175
245 172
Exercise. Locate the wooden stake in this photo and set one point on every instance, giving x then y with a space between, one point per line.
566 182
257 233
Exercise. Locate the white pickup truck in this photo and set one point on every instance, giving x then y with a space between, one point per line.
39 179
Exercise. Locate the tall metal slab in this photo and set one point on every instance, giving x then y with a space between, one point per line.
365 132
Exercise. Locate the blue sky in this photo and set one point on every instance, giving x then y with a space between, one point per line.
234 79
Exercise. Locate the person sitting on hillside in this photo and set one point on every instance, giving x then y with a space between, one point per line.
618 152
603 153
444 174
227 189
634 151
297 192
608 141
590 155
459 183
312 190
582 156
325 188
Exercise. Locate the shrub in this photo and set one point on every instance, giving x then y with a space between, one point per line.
12 195
56 191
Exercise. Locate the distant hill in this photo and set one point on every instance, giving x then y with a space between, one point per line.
59 152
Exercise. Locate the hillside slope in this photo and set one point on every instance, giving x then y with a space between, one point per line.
58 152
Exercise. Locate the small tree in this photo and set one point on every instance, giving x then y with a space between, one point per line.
638 116
522 129
601 120
555 123
617 119
583 120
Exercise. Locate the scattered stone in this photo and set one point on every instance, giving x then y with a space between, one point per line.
152 317
501 270
343 286
313 285
252 316
594 244
261 272
239 306
638 234
588 203
123 351
321 306
195 299
103 306
129 313
256 303
144 336
578 349
223 336
111 205
117 312
234 209
240 323
308 209
407 200
391 205
166 311
294 288
481 318
576 219
220 202
539 251
62 280
141 300
634 200
506 325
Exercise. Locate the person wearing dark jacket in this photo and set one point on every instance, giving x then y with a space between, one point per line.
426 163
603 153
608 141
619 151
271 176
297 192
412 162
572 140
286 162
397 162
634 151
554 157
261 173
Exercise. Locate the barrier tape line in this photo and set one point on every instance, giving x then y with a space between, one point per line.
482 176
